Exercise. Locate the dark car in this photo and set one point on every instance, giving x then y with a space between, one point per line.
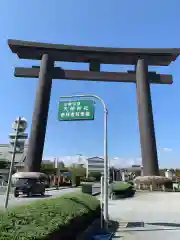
29 187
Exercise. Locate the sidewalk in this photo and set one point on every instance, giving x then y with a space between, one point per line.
55 188
154 215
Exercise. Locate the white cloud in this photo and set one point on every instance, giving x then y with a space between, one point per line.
167 150
68 160
118 162
124 162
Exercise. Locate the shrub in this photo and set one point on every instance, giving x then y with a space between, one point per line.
96 175
89 179
120 186
122 189
59 218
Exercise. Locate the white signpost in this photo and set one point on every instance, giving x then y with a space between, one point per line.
63 116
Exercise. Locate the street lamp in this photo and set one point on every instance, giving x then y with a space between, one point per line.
17 141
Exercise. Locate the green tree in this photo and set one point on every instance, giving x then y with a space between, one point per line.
96 175
48 168
177 171
77 171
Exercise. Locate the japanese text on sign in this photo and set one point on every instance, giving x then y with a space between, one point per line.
76 110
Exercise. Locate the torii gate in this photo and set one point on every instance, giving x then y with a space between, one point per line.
95 56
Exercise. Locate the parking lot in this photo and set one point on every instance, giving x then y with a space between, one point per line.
148 215
50 193
24 199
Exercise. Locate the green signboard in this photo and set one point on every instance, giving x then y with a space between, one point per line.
76 110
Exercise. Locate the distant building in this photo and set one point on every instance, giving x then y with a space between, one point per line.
134 170
94 164
6 156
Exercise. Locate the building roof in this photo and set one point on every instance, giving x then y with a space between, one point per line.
70 53
95 158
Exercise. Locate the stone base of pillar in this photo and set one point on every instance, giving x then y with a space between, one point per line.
153 183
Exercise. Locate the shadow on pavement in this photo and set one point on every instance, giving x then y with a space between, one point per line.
103 234
151 230
142 225
165 224
113 226
55 188
135 224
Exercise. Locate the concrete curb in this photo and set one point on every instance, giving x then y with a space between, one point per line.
95 193
60 188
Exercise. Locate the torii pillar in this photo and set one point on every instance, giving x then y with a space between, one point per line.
40 115
146 122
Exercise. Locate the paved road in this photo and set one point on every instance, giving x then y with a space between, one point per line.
23 199
49 194
147 216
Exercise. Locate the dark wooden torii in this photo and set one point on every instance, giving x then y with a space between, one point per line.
95 56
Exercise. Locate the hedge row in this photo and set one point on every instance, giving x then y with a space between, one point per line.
121 186
89 179
59 218
122 189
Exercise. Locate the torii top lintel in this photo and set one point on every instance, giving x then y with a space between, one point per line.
69 53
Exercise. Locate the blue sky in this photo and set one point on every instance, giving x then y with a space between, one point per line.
115 23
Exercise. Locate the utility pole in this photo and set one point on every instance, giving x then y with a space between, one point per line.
17 141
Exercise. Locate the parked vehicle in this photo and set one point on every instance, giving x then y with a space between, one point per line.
29 184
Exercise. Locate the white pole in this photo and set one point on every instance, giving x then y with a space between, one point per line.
105 151
12 164
106 182
58 172
113 175
108 170
102 197
87 170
